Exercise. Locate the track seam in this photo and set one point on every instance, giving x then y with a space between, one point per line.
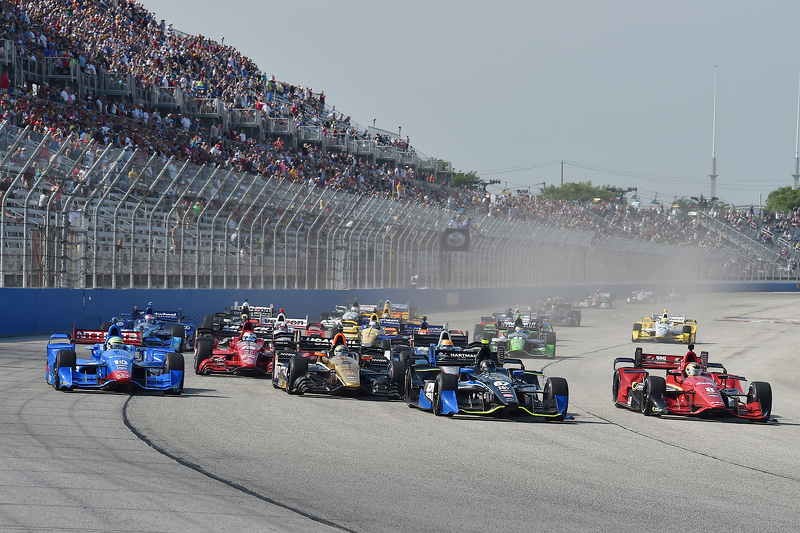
229 483
684 448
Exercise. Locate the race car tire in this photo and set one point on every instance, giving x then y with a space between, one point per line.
613 304
761 392
105 325
404 355
407 392
174 361
64 359
555 387
324 316
477 332
386 344
208 322
654 387
550 337
180 332
205 350
444 382
397 372
615 390
298 366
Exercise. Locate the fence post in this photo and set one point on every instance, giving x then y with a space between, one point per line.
59 214
150 223
116 214
214 227
176 204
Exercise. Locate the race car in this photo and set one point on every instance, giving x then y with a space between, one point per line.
642 297
118 361
531 342
393 310
665 328
692 386
377 331
560 312
241 348
336 366
601 300
164 329
454 380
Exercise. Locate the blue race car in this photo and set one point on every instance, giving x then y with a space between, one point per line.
163 329
117 362
454 380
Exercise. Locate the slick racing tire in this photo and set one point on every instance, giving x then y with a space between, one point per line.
397 372
105 325
408 393
64 359
298 366
761 392
205 349
208 322
615 390
174 361
554 387
654 387
179 332
444 382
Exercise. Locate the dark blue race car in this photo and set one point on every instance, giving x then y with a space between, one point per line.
164 329
117 361
455 380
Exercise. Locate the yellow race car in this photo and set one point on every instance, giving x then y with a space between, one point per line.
665 328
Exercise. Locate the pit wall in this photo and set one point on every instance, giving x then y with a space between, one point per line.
45 311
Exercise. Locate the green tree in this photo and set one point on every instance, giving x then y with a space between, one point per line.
577 191
468 180
783 199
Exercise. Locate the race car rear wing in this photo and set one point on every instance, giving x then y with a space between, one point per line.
317 344
451 356
96 336
656 361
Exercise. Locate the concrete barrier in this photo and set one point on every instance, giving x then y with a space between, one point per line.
47 311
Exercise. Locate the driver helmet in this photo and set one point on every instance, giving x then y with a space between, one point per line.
373 324
446 342
115 343
519 329
487 365
149 317
249 337
280 326
693 369
340 349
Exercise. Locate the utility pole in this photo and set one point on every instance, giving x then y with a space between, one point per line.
796 174
713 174
562 172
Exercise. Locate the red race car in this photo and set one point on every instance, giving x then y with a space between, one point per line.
692 386
240 349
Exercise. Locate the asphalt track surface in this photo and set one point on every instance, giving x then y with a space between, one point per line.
234 454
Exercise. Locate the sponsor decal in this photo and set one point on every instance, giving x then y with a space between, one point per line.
637 385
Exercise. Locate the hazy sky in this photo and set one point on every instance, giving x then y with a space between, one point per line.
621 91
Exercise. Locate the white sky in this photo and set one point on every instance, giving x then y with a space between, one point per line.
623 87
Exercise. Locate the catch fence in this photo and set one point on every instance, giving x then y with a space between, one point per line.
80 215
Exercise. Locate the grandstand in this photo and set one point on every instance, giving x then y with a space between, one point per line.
133 155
